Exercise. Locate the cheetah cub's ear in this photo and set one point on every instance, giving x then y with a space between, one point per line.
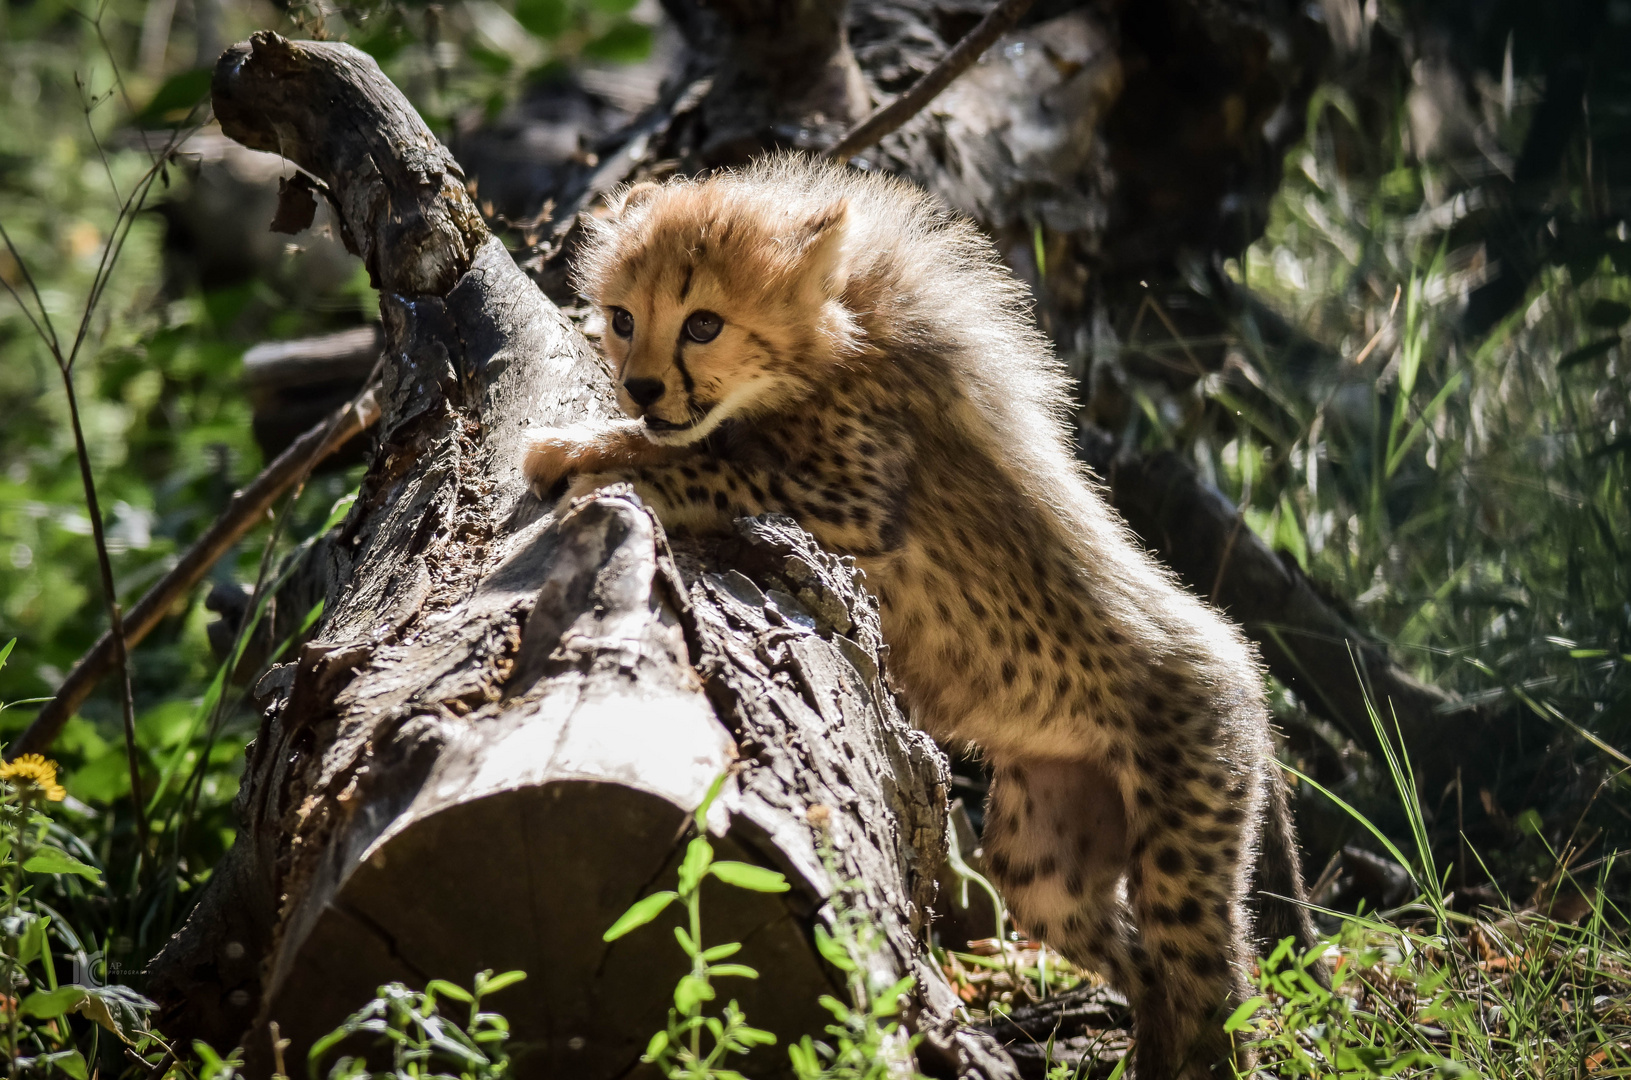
819 242
632 199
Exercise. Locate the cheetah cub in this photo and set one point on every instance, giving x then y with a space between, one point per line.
802 339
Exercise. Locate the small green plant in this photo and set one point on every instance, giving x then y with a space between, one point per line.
1430 991
866 1040
38 1038
211 1065
694 1045
1314 1032
423 1043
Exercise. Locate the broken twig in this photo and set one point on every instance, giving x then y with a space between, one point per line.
997 22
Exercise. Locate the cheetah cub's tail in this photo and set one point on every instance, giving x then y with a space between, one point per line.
1280 880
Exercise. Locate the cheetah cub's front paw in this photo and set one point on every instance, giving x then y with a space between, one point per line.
552 457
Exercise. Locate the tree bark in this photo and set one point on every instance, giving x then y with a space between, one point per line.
495 740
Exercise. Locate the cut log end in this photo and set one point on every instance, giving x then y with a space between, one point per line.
513 836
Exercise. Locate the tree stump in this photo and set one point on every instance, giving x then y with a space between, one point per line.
494 742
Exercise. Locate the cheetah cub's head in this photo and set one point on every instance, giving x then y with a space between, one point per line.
721 297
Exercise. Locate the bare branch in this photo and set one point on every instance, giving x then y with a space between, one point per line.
47 331
88 106
887 118
116 621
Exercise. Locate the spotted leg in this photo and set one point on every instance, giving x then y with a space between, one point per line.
1056 844
691 488
1187 885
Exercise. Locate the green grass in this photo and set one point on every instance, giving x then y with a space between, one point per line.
1507 991
1466 499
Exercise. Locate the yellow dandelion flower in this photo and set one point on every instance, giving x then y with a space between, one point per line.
31 774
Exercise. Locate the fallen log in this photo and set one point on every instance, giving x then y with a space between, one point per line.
496 738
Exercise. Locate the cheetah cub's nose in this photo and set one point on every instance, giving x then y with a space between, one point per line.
644 391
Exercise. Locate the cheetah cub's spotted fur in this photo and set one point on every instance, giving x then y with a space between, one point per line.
802 339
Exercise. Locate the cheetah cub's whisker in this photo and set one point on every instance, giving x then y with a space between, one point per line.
802 339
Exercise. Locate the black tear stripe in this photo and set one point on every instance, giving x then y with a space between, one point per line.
685 286
685 376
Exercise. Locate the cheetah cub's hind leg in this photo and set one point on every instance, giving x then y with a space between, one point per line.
1056 844
1150 900
1197 796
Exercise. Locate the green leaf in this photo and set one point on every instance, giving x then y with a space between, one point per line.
747 876
719 952
1241 1018
642 912
118 1008
323 1046
803 1056
835 954
839 1010
502 981
311 618
740 971
1403 185
103 779
383 44
50 1004
1396 458
166 725
700 815
52 860
179 95
544 18
213 1065
449 990
658 1043
494 63
1587 353
5 651
622 44
690 993
69 1061
337 513
32 943
698 854
684 938
888 1002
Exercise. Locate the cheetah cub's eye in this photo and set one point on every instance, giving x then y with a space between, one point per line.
622 323
703 326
